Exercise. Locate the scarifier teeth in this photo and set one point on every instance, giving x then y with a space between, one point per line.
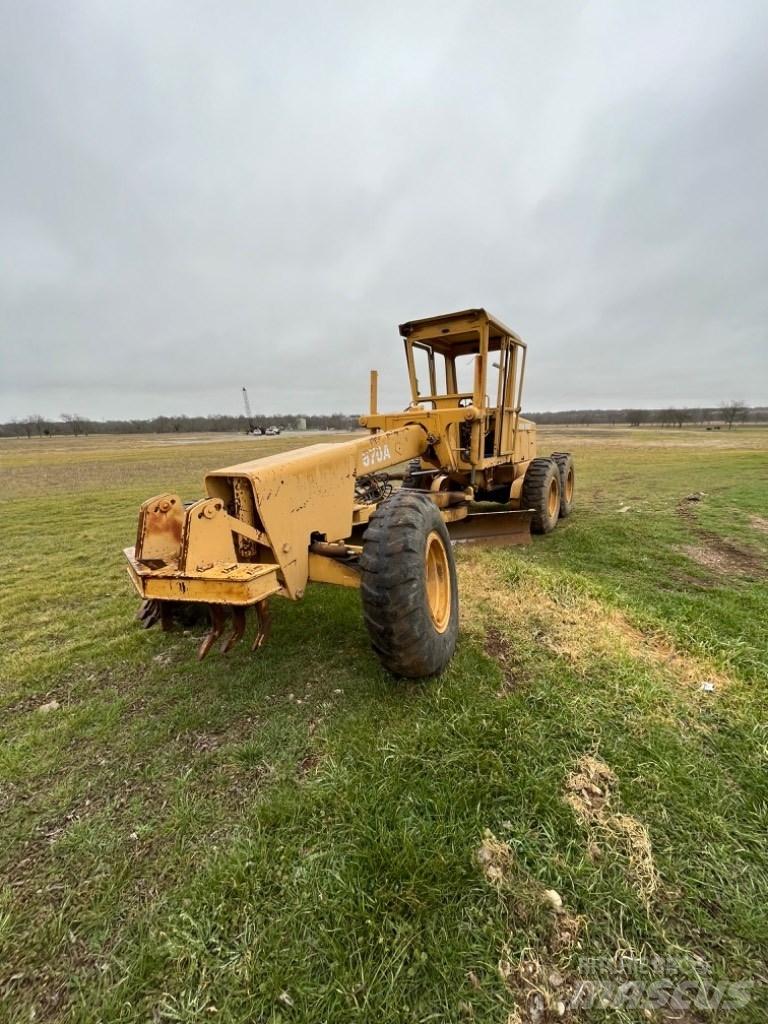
238 628
218 614
263 625
217 628
149 613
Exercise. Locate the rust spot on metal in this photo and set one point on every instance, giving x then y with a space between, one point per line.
158 536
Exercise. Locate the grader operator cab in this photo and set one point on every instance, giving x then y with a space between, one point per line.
334 513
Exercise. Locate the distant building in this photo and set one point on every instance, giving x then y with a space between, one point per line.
301 422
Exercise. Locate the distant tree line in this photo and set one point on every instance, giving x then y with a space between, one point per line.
725 415
74 424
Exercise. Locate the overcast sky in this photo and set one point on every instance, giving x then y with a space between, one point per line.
200 195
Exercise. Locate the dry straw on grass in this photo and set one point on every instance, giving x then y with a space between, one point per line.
571 625
496 860
590 791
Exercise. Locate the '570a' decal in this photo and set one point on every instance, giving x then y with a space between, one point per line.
376 455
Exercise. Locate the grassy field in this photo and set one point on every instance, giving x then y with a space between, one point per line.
295 836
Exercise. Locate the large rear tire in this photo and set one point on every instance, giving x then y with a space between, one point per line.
567 481
541 492
409 588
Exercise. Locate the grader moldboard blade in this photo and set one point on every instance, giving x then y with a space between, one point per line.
494 529
328 513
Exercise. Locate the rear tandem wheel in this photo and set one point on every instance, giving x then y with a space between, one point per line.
541 492
564 462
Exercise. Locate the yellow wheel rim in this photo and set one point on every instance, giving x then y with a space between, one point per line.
438 582
569 485
553 498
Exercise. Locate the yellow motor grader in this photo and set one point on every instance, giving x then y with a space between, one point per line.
334 513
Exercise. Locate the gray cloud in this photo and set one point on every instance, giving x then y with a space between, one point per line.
196 196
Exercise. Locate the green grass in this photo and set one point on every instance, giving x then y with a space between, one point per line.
293 835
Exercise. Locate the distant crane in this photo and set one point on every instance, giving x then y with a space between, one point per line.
252 428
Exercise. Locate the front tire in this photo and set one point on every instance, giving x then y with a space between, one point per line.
409 588
541 492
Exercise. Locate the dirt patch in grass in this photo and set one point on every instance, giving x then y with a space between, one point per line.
725 557
718 554
686 580
502 650
43 702
541 992
539 981
207 742
308 765
686 507
589 791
